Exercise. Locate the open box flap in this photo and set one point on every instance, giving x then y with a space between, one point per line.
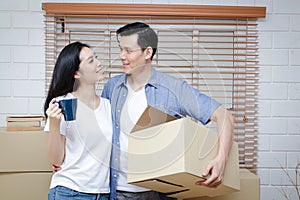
171 185
152 117
161 186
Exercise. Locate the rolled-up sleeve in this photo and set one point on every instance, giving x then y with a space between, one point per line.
196 104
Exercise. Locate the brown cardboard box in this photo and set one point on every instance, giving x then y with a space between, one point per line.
23 151
25 171
27 186
250 189
170 157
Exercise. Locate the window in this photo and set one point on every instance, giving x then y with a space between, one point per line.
213 48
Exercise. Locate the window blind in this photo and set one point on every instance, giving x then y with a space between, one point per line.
217 55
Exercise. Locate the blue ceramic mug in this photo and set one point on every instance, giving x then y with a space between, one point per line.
69 107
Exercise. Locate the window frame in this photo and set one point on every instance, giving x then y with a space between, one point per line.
244 14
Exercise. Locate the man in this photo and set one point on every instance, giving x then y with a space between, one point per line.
142 85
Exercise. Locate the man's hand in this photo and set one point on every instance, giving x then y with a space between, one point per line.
216 171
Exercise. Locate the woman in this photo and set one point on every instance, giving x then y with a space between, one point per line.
80 148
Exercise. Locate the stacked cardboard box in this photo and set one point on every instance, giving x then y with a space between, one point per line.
170 155
25 123
25 171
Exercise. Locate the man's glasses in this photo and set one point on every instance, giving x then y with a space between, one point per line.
129 51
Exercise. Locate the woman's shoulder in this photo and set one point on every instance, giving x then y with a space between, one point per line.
104 107
105 102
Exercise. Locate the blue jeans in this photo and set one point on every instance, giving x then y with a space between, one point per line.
148 195
64 193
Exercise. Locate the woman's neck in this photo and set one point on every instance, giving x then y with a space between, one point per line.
87 96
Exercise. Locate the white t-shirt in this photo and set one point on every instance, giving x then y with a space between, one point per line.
133 108
88 147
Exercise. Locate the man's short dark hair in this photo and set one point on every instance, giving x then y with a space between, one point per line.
146 35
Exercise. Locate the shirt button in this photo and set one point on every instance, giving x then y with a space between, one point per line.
115 175
118 110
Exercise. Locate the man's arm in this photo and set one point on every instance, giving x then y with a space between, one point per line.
216 168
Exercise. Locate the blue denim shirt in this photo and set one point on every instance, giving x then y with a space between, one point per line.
172 95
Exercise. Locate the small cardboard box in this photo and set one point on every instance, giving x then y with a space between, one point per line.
24 122
22 151
171 157
24 185
250 189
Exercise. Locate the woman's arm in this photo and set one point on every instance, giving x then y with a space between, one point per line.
56 141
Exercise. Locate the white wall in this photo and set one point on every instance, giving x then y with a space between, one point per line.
22 77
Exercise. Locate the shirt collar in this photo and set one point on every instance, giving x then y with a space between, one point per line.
152 81
122 81
153 78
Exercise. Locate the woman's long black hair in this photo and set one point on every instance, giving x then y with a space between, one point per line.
66 65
